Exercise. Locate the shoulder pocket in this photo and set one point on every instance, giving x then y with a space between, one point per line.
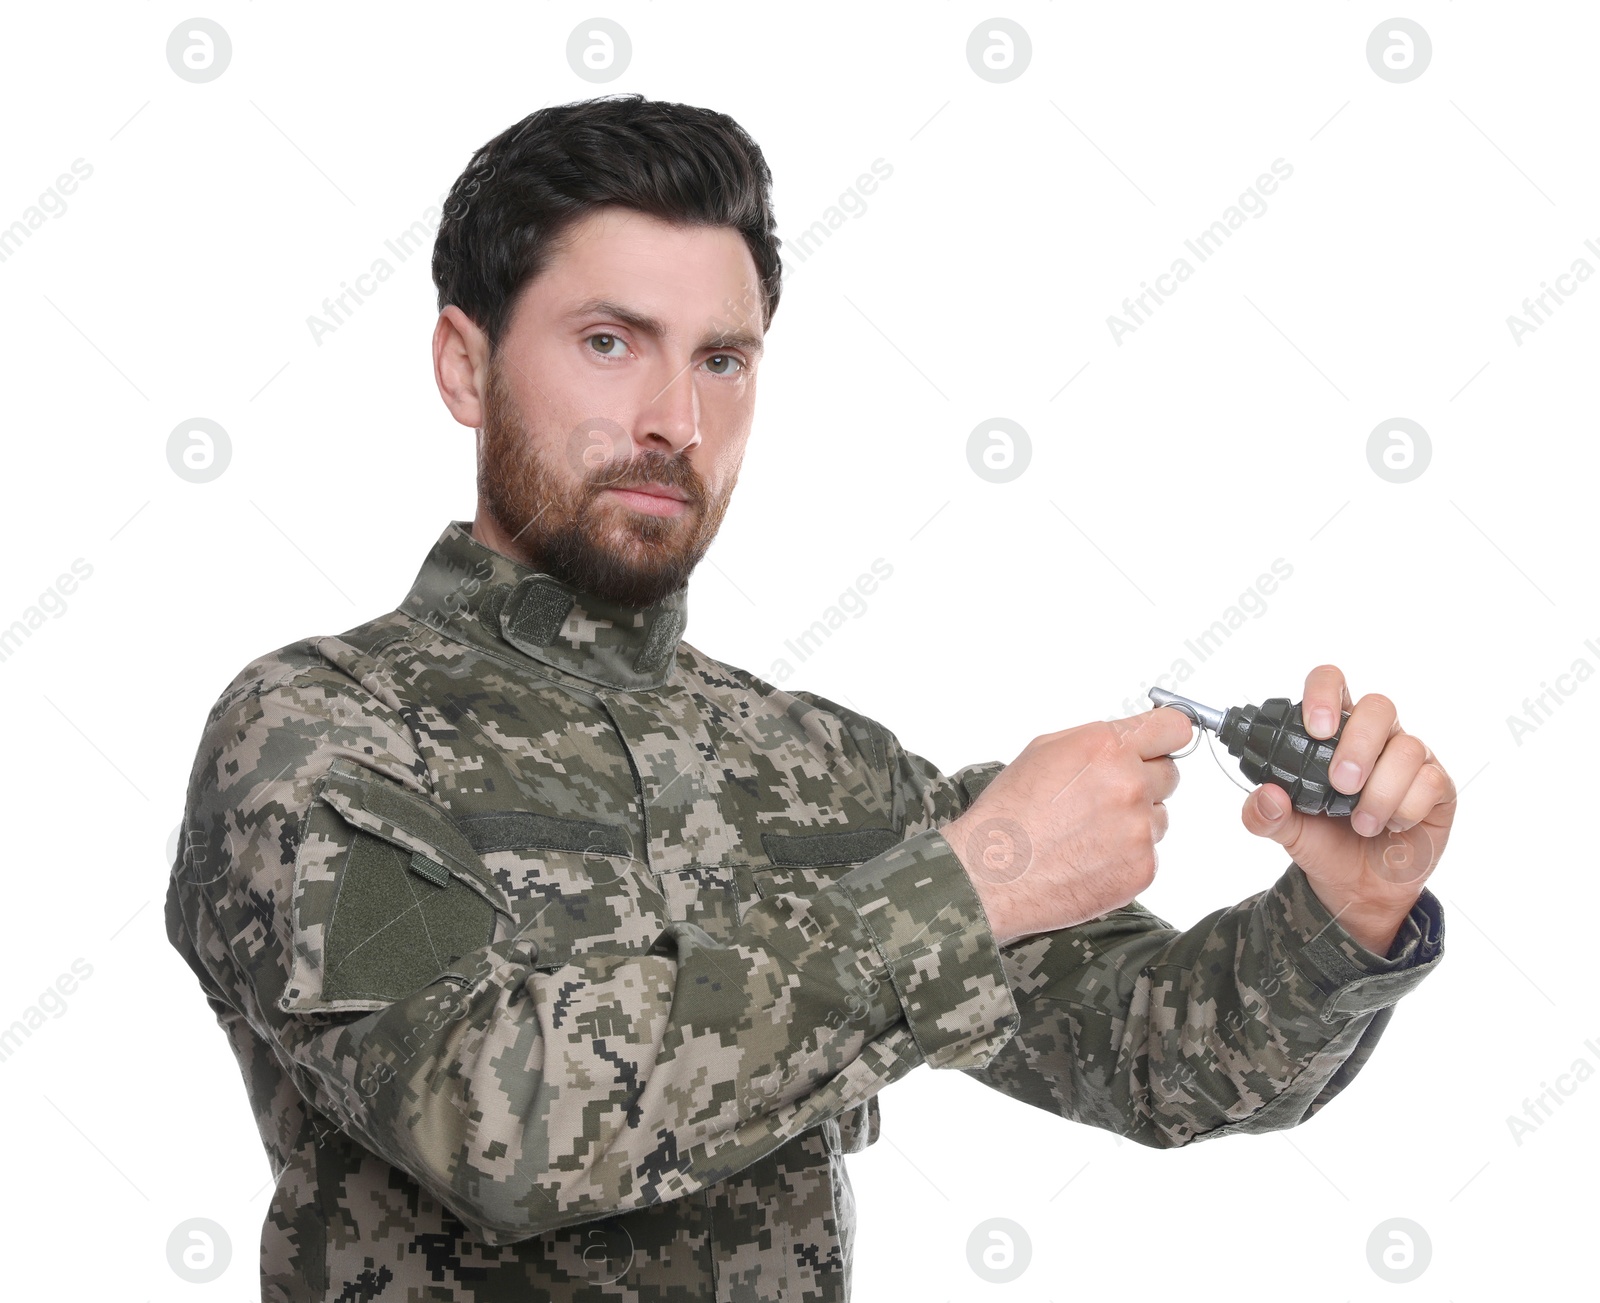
389 896
574 884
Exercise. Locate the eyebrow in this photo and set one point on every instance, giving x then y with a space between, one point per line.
648 325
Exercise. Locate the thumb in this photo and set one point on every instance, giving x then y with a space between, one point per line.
1267 813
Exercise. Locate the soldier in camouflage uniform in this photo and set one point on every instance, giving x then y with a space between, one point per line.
562 960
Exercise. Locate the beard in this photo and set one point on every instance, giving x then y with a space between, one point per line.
596 545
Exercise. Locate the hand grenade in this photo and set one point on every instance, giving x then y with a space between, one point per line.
1272 745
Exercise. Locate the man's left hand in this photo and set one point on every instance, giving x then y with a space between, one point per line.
1368 869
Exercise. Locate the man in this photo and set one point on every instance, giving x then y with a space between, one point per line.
562 960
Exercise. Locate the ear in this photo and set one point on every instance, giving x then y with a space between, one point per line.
461 365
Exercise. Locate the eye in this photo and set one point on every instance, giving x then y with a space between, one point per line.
725 357
611 339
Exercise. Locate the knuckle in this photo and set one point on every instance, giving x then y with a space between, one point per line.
1102 733
1409 749
1436 783
1378 701
1104 746
1127 787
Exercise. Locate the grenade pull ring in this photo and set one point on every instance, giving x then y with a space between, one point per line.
1191 709
1272 746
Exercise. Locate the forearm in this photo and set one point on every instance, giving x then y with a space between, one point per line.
1248 1021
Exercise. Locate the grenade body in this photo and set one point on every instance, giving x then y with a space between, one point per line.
1272 745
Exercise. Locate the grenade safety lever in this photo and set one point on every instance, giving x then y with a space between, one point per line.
1272 745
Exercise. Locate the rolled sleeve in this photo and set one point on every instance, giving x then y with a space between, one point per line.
929 926
1352 978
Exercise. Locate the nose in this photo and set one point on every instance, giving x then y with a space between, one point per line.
670 418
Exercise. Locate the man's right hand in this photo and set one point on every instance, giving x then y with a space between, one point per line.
1067 830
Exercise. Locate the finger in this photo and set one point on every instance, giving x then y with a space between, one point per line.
1430 789
1391 779
1369 728
1267 813
1325 697
1158 821
1160 777
1159 732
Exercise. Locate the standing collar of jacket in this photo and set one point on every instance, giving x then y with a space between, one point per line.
473 593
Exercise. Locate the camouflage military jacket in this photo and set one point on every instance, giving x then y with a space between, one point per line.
562 960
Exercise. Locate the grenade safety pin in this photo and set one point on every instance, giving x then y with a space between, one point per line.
1272 746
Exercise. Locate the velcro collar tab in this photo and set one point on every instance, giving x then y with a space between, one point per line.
471 593
617 646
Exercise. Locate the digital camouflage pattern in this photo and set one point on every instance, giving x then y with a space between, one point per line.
563 961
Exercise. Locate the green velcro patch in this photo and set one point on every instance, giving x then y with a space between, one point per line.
536 609
505 830
661 641
432 870
391 935
850 846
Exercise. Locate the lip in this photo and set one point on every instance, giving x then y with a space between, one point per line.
654 490
653 499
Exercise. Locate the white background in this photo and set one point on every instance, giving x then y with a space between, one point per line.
1229 430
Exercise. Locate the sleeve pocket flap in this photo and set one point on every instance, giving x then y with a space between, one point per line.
378 806
389 896
393 931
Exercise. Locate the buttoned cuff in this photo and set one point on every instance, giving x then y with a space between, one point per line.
1353 979
924 916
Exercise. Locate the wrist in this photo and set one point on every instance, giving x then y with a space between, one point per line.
1371 924
990 894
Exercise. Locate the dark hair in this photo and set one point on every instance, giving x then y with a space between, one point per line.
521 191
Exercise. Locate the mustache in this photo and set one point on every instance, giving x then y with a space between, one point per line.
673 472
